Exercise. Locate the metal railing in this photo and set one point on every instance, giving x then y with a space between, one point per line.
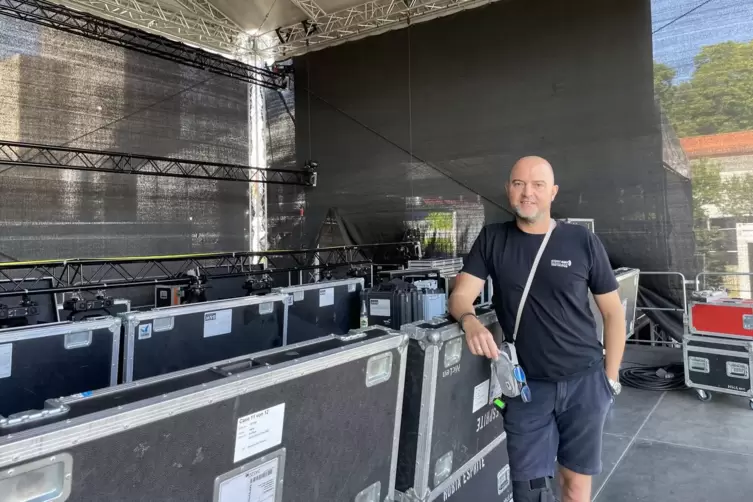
655 339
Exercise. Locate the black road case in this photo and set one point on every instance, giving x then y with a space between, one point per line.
627 278
484 478
164 340
718 364
313 422
48 361
447 418
321 309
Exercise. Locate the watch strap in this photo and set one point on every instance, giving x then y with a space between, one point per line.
462 317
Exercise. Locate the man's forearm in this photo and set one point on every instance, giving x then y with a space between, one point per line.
614 344
459 305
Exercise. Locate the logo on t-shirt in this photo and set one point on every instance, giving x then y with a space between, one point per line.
561 263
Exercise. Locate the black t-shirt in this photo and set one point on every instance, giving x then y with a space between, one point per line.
557 334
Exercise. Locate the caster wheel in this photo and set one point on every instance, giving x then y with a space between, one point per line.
706 396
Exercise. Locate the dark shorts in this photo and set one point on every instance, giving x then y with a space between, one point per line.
563 423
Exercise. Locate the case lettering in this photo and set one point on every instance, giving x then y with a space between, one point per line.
451 371
487 418
462 480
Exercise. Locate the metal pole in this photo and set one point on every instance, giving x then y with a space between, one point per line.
257 156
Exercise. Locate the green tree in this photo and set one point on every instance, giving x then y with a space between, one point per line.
664 87
737 194
707 183
719 96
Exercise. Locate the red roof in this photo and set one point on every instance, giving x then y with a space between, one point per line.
718 145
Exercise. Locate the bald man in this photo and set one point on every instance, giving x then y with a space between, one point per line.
571 381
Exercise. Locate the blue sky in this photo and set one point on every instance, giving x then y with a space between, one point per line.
717 21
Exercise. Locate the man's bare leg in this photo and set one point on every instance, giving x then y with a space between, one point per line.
574 487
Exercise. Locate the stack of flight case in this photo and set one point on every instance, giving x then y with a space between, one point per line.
452 441
718 348
393 304
315 422
449 268
430 283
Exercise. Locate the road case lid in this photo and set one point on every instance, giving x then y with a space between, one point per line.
193 308
59 328
320 285
443 328
624 272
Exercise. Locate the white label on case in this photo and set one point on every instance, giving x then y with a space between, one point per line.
258 432
379 308
297 296
6 360
326 297
351 288
218 323
145 331
480 395
255 485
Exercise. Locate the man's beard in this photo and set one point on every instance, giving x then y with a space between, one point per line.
527 219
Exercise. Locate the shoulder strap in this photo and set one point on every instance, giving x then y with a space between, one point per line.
552 224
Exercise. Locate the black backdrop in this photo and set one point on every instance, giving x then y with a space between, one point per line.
429 119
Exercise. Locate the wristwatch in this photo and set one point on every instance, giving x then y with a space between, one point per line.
616 387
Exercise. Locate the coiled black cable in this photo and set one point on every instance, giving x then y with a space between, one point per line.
655 378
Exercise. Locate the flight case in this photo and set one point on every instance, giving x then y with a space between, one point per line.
164 340
46 361
627 279
314 422
718 364
321 309
484 478
447 418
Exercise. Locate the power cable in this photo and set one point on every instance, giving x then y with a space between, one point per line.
655 378
670 23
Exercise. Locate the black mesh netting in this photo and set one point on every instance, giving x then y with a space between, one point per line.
62 89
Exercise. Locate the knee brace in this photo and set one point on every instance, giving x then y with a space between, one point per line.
536 490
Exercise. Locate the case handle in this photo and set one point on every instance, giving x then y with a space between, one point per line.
52 411
230 369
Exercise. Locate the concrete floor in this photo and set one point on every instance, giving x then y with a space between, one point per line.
671 447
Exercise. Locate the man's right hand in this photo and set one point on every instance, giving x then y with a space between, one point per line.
479 339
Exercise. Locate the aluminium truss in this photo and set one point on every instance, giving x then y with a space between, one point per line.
198 24
104 273
371 18
30 155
